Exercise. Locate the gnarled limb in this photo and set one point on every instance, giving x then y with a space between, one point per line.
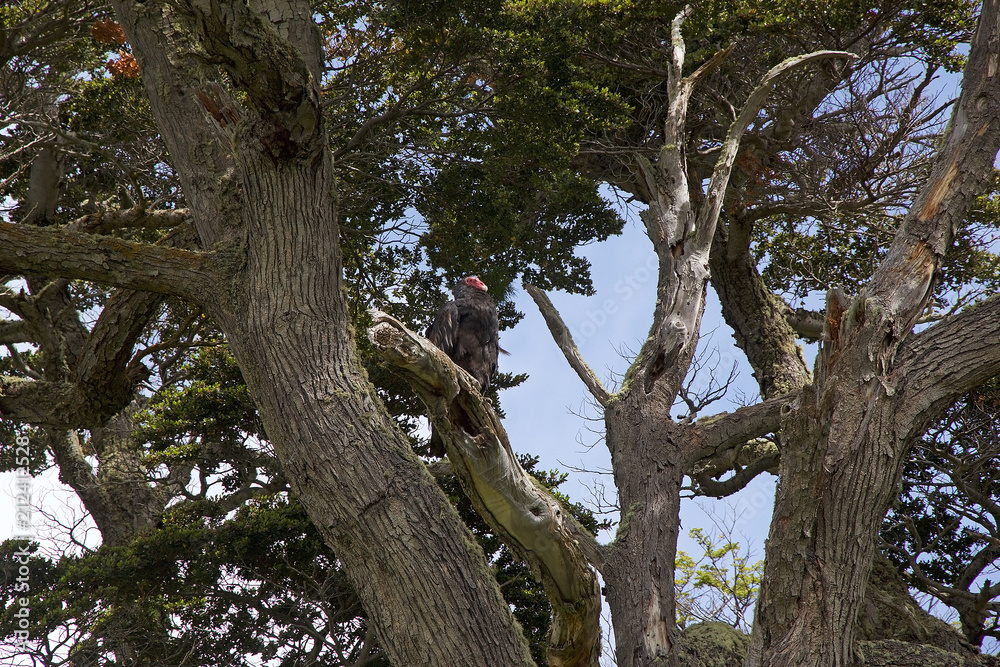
105 221
746 463
531 522
947 361
734 442
722 433
758 318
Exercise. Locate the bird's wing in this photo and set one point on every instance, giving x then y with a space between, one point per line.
443 331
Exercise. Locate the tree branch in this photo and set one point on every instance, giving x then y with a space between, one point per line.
530 521
137 217
57 405
16 331
747 463
756 314
195 141
709 213
103 386
947 361
107 260
722 433
564 339
105 362
807 324
962 169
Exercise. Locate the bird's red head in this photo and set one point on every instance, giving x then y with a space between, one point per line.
473 281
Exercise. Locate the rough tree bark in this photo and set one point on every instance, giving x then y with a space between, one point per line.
530 521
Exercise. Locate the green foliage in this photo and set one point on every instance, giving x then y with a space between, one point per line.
258 586
212 407
721 585
58 94
807 255
210 588
454 145
470 137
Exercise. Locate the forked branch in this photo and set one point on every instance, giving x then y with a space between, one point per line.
709 214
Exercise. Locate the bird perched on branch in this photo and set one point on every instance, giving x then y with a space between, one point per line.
466 329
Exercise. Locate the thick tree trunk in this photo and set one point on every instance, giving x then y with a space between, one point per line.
262 193
421 576
648 465
824 530
650 453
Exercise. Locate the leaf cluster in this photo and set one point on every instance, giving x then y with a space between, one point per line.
721 585
259 585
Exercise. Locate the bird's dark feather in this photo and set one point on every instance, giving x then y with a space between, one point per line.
466 329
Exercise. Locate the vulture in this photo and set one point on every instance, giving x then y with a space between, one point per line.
466 330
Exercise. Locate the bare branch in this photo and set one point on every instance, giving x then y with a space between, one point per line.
946 361
721 433
697 395
564 339
14 332
709 213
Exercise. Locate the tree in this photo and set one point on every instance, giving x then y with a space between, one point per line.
721 585
941 532
806 129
